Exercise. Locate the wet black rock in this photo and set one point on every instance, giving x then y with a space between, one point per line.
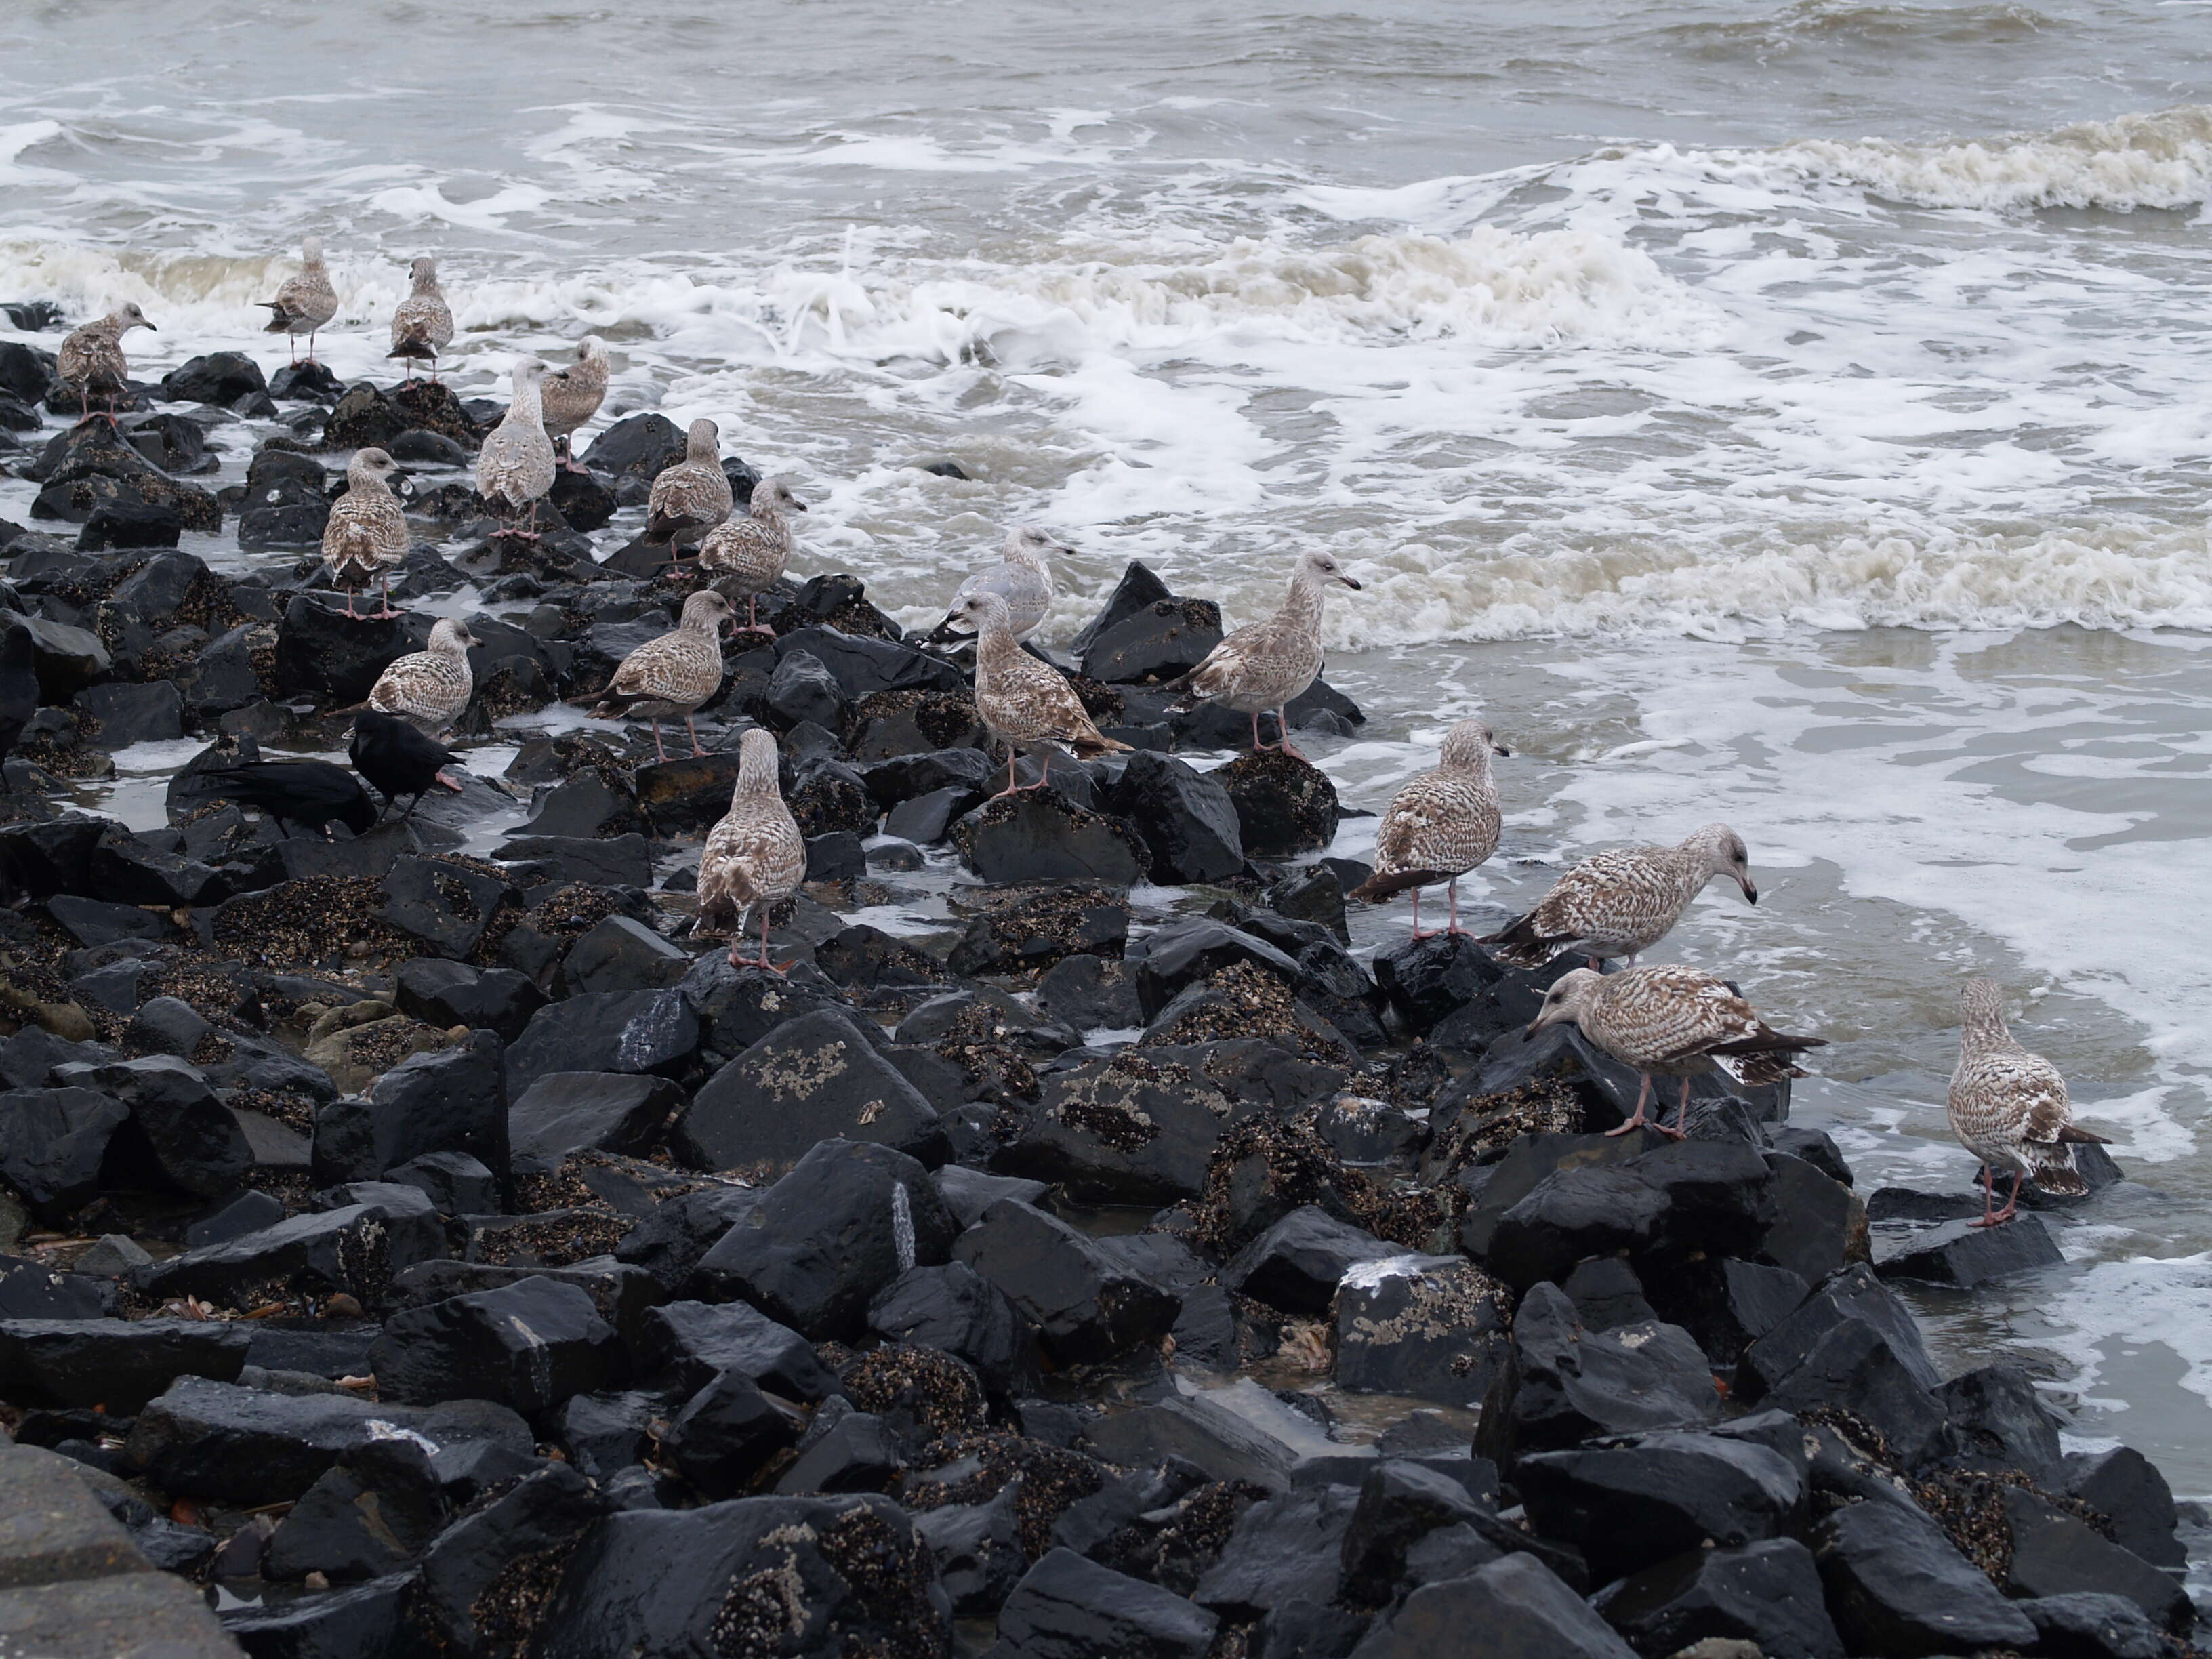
129 522
2126 1488
476 1590
1514 1605
1896 1585
1852 1344
1961 1255
218 377
32 1290
2091 1625
584 503
209 1439
359 1250
308 382
1287 1549
323 652
1184 817
637 446
1083 994
1767 1594
1065 1605
447 1100
1040 836
1284 806
1295 1265
1125 1130
726 1433
689 1344
1039 929
1085 1296
52 1142
529 1345
1562 1383
633 1032
373 1512
814 1077
115 1363
2058 1553
1626 1507
362 1621
951 1309
126 714
446 994
977 1550
180 1134
1426 1327
26 371
565 1112
848 1218
622 954
1428 979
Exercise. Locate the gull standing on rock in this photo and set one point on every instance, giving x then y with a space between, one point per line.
749 554
91 359
366 533
573 395
1264 665
2008 1107
1023 578
514 468
754 857
674 674
422 324
1440 824
694 495
1027 704
306 302
429 687
1621 903
1671 1022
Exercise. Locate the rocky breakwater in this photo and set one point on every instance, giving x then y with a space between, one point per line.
431 1251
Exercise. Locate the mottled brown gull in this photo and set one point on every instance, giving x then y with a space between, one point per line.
692 496
1623 901
1264 665
754 857
514 468
305 302
2008 1107
1023 578
429 687
1028 705
573 395
422 324
671 676
366 535
1440 824
1671 1022
746 556
91 359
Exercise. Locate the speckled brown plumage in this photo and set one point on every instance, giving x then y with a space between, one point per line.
1440 824
573 395
1263 664
514 467
754 856
1672 1022
670 676
429 687
366 535
1619 903
306 300
2008 1107
694 495
747 555
1028 705
91 358
422 324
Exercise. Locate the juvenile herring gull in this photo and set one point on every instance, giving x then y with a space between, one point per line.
1671 1022
367 534
1023 578
306 302
431 686
749 554
1623 901
573 395
1264 665
692 496
514 468
1440 824
1028 705
91 359
399 759
2008 1107
754 857
422 324
672 675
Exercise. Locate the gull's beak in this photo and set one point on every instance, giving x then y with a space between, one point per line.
1533 1026
1347 581
1750 890
1499 749
800 505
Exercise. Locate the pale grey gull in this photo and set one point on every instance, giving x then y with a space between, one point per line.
746 556
305 302
1027 704
1264 665
422 323
514 467
754 857
1023 578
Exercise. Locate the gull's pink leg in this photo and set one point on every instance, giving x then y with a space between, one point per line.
1283 738
697 752
1643 1098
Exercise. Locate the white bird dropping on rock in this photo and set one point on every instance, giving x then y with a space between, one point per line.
2008 1107
1671 1022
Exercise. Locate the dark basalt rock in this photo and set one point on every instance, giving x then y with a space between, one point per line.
218 377
1284 806
1428 979
637 446
622 954
529 1344
1959 1254
362 1621
32 1290
691 1343
849 1218
372 1513
565 1112
1148 643
801 1574
358 1249
813 1079
2091 1625
180 1134
632 1032
1297 1263
584 504
308 382
1285 1549
447 1100
1562 1383
2056 1553
1514 1605
2122 1486
1184 817
1431 1327
949 1309
249 1446
1084 993
1085 1298
978 1551
125 714
115 1363
26 371
1040 836
1852 1344
129 522
726 1433
322 651
1065 1605
470 1595
1896 1585
1131 1129
1626 1507
52 1143
1767 1594
445 993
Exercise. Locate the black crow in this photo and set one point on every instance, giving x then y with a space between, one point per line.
399 759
